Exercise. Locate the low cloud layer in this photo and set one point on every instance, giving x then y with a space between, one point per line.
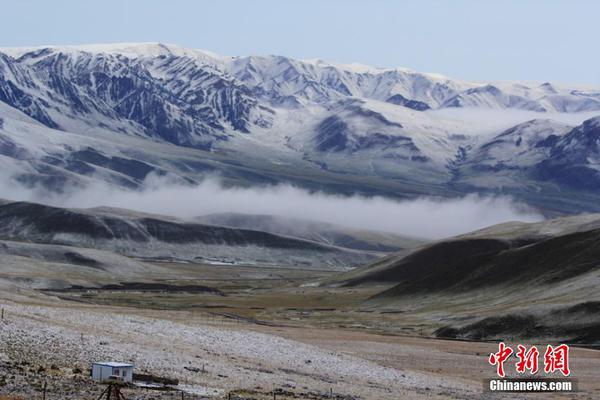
423 217
483 121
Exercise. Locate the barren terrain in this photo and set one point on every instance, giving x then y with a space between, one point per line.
269 333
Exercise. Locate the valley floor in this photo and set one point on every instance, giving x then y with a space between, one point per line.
239 331
213 357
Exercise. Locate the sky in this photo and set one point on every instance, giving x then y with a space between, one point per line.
528 40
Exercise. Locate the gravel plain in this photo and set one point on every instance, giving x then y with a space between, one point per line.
58 344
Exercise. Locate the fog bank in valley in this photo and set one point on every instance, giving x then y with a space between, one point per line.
422 217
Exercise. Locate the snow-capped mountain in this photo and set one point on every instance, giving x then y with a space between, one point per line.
521 146
282 80
574 159
118 113
178 99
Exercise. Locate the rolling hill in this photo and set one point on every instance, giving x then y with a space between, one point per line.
149 237
513 280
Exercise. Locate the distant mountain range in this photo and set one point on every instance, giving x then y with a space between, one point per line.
70 116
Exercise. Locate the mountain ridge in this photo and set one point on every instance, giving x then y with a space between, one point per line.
119 113
148 236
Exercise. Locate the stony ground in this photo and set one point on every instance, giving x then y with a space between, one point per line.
55 344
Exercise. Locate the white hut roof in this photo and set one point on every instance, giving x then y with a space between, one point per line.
114 364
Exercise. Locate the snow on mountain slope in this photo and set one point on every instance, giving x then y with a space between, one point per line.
490 96
280 79
366 138
177 99
287 81
129 50
541 160
574 159
283 80
118 113
34 154
16 85
397 133
522 145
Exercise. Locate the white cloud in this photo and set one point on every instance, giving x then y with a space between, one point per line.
422 217
484 121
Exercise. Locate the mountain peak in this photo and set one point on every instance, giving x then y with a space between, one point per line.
130 50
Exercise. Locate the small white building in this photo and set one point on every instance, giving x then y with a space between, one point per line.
106 371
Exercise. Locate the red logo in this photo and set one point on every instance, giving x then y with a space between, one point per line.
555 359
500 357
528 359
